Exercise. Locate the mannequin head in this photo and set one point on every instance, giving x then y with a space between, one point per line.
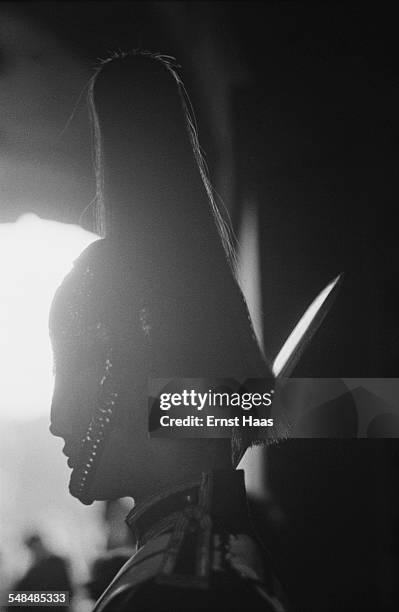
156 298
106 346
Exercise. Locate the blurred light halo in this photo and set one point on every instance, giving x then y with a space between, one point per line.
35 255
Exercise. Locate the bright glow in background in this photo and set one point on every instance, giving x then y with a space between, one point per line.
35 255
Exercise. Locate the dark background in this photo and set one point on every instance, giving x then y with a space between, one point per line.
297 111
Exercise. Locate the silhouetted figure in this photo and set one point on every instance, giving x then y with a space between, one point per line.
157 298
48 572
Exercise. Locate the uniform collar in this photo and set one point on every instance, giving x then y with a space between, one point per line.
217 494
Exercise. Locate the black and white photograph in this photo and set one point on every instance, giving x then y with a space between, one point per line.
199 338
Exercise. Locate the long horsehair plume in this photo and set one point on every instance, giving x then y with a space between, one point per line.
220 213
